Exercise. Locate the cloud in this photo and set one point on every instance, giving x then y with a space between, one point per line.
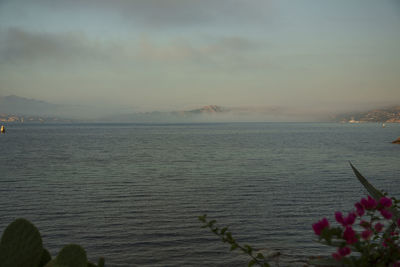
224 48
19 47
160 14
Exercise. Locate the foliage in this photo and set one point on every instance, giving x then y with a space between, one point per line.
226 237
360 238
21 245
368 235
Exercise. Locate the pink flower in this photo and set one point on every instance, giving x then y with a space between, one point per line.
366 234
344 251
396 264
320 225
385 243
360 209
386 202
349 235
386 214
339 217
350 219
369 203
378 227
336 256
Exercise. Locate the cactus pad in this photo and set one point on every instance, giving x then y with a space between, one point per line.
20 245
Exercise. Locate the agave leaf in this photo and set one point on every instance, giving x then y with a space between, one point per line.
375 193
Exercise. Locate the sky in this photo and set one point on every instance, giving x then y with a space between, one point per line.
181 54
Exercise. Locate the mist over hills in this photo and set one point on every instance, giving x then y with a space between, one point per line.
21 106
13 104
212 113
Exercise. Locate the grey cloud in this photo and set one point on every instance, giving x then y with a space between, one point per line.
19 46
181 49
77 49
165 13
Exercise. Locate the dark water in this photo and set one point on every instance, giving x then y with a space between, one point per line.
132 193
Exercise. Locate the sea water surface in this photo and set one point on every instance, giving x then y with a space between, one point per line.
132 192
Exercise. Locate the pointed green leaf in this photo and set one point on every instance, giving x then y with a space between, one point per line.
375 193
260 256
223 230
248 248
233 247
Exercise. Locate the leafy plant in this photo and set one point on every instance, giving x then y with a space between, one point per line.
376 244
368 235
226 237
21 245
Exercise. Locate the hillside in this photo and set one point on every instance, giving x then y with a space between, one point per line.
22 106
391 114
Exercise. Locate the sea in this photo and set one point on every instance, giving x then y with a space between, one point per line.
132 193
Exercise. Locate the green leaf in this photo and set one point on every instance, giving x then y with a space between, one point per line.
375 193
229 237
20 245
234 246
223 230
251 263
260 256
211 223
248 248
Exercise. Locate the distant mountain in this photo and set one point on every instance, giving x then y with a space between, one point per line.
24 106
208 110
213 113
391 114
